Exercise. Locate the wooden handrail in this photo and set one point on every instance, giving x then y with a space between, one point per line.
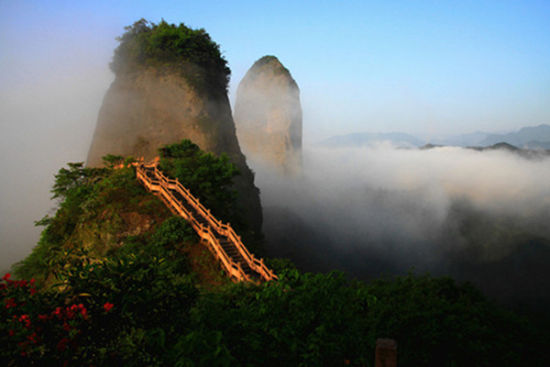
163 186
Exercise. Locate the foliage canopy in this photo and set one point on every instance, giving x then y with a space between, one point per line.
164 46
208 177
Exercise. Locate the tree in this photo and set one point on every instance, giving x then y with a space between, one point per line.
208 177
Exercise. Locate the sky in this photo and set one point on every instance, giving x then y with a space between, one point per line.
427 68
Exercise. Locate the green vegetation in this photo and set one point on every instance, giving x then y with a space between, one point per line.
167 47
209 178
128 308
99 208
142 307
115 283
102 209
439 323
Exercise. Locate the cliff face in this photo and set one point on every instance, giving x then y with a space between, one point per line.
156 103
141 112
268 115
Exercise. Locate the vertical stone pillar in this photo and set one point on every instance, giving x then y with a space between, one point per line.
386 353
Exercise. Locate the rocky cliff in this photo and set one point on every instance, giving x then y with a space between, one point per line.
268 115
170 84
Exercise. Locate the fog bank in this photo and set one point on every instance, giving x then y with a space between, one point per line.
382 210
44 124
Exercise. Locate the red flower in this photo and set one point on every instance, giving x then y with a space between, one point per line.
32 291
62 345
32 338
32 281
108 306
66 327
57 312
43 317
26 320
10 302
6 277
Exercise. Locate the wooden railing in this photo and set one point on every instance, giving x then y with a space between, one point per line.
165 187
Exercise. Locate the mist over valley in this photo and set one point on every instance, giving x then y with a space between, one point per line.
381 210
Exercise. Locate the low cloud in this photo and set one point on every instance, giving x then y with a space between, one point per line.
383 210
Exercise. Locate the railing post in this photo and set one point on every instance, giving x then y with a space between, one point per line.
386 353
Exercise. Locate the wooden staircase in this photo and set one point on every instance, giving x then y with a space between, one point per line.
221 239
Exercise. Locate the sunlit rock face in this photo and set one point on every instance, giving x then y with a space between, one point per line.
268 116
149 108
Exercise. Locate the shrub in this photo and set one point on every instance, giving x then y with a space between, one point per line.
129 308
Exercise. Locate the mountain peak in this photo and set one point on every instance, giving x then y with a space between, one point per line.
268 115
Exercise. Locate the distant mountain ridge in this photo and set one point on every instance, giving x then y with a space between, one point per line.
462 140
532 137
365 139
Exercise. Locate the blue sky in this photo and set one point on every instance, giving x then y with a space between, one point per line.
425 67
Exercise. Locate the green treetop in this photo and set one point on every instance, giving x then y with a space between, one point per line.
172 47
